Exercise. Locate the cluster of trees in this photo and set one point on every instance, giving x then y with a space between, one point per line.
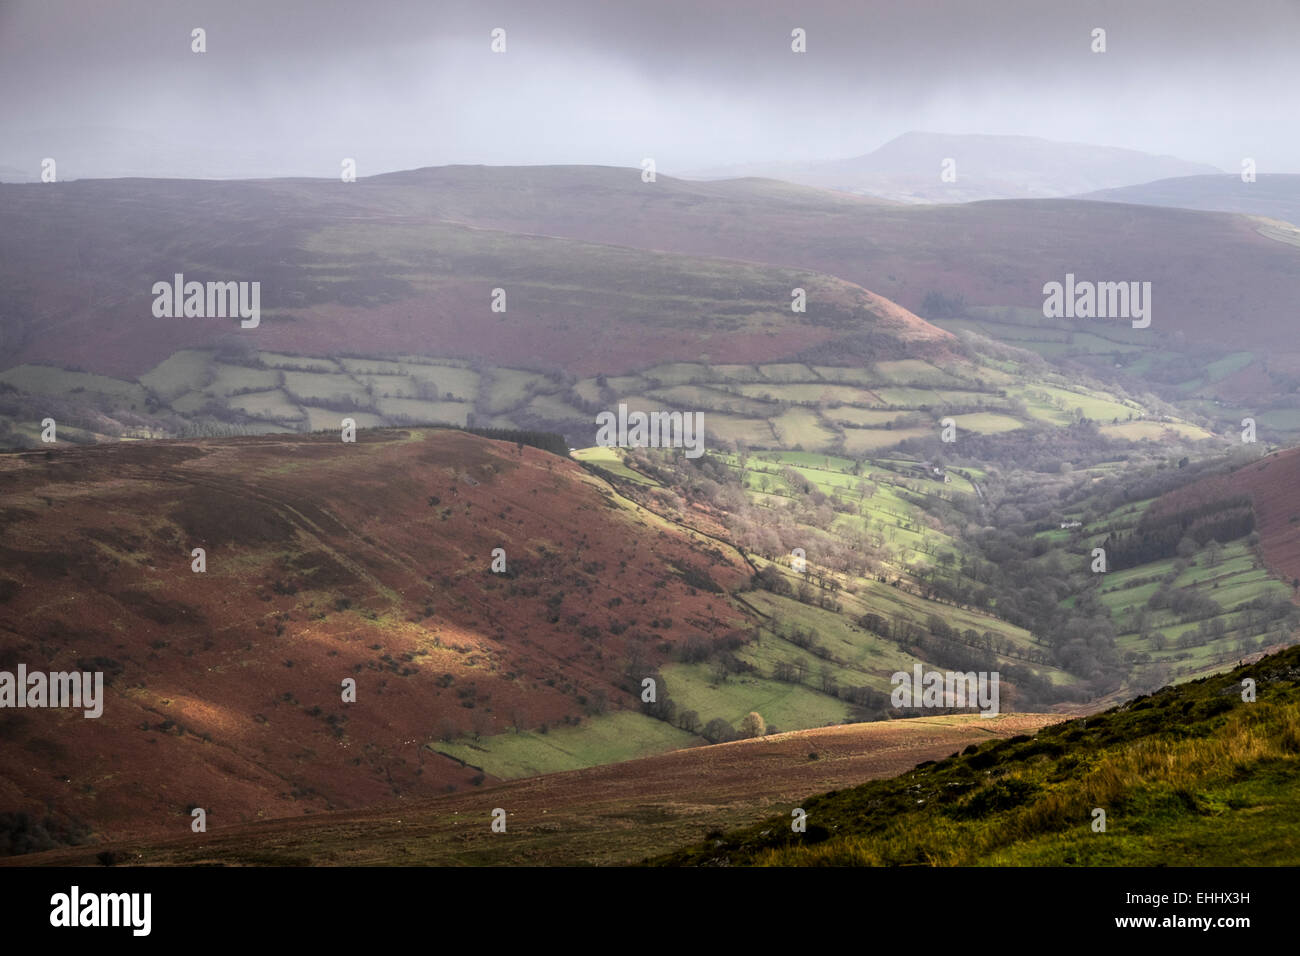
1186 604
24 833
427 390
1180 532
938 643
546 441
664 708
1039 449
939 305
1027 579
771 579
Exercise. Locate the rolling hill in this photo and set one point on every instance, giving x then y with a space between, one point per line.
1207 269
1219 345
387 267
326 561
605 276
401 262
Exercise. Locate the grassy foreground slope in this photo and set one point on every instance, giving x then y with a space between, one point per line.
1190 775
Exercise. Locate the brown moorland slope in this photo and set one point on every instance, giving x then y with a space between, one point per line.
393 268
610 815
325 561
1217 277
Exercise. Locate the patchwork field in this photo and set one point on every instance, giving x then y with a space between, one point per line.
860 410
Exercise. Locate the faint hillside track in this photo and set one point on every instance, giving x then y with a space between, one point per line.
297 514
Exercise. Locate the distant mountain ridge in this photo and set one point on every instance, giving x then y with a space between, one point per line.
909 167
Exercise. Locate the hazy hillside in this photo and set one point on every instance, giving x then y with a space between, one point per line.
1274 195
388 267
605 273
1209 271
1222 284
985 167
12 174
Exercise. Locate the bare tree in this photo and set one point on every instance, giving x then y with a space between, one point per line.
447 730
518 717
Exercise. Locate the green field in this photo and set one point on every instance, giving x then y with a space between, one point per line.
506 388
229 379
611 460
324 387
417 410
612 738
322 419
864 441
45 380
801 427
183 371
462 383
865 417
823 393
274 405
784 706
1054 404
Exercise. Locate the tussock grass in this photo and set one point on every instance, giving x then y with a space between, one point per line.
1189 775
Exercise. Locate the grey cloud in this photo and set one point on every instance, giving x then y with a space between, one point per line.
290 87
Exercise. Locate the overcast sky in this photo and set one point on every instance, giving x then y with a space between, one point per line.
291 86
